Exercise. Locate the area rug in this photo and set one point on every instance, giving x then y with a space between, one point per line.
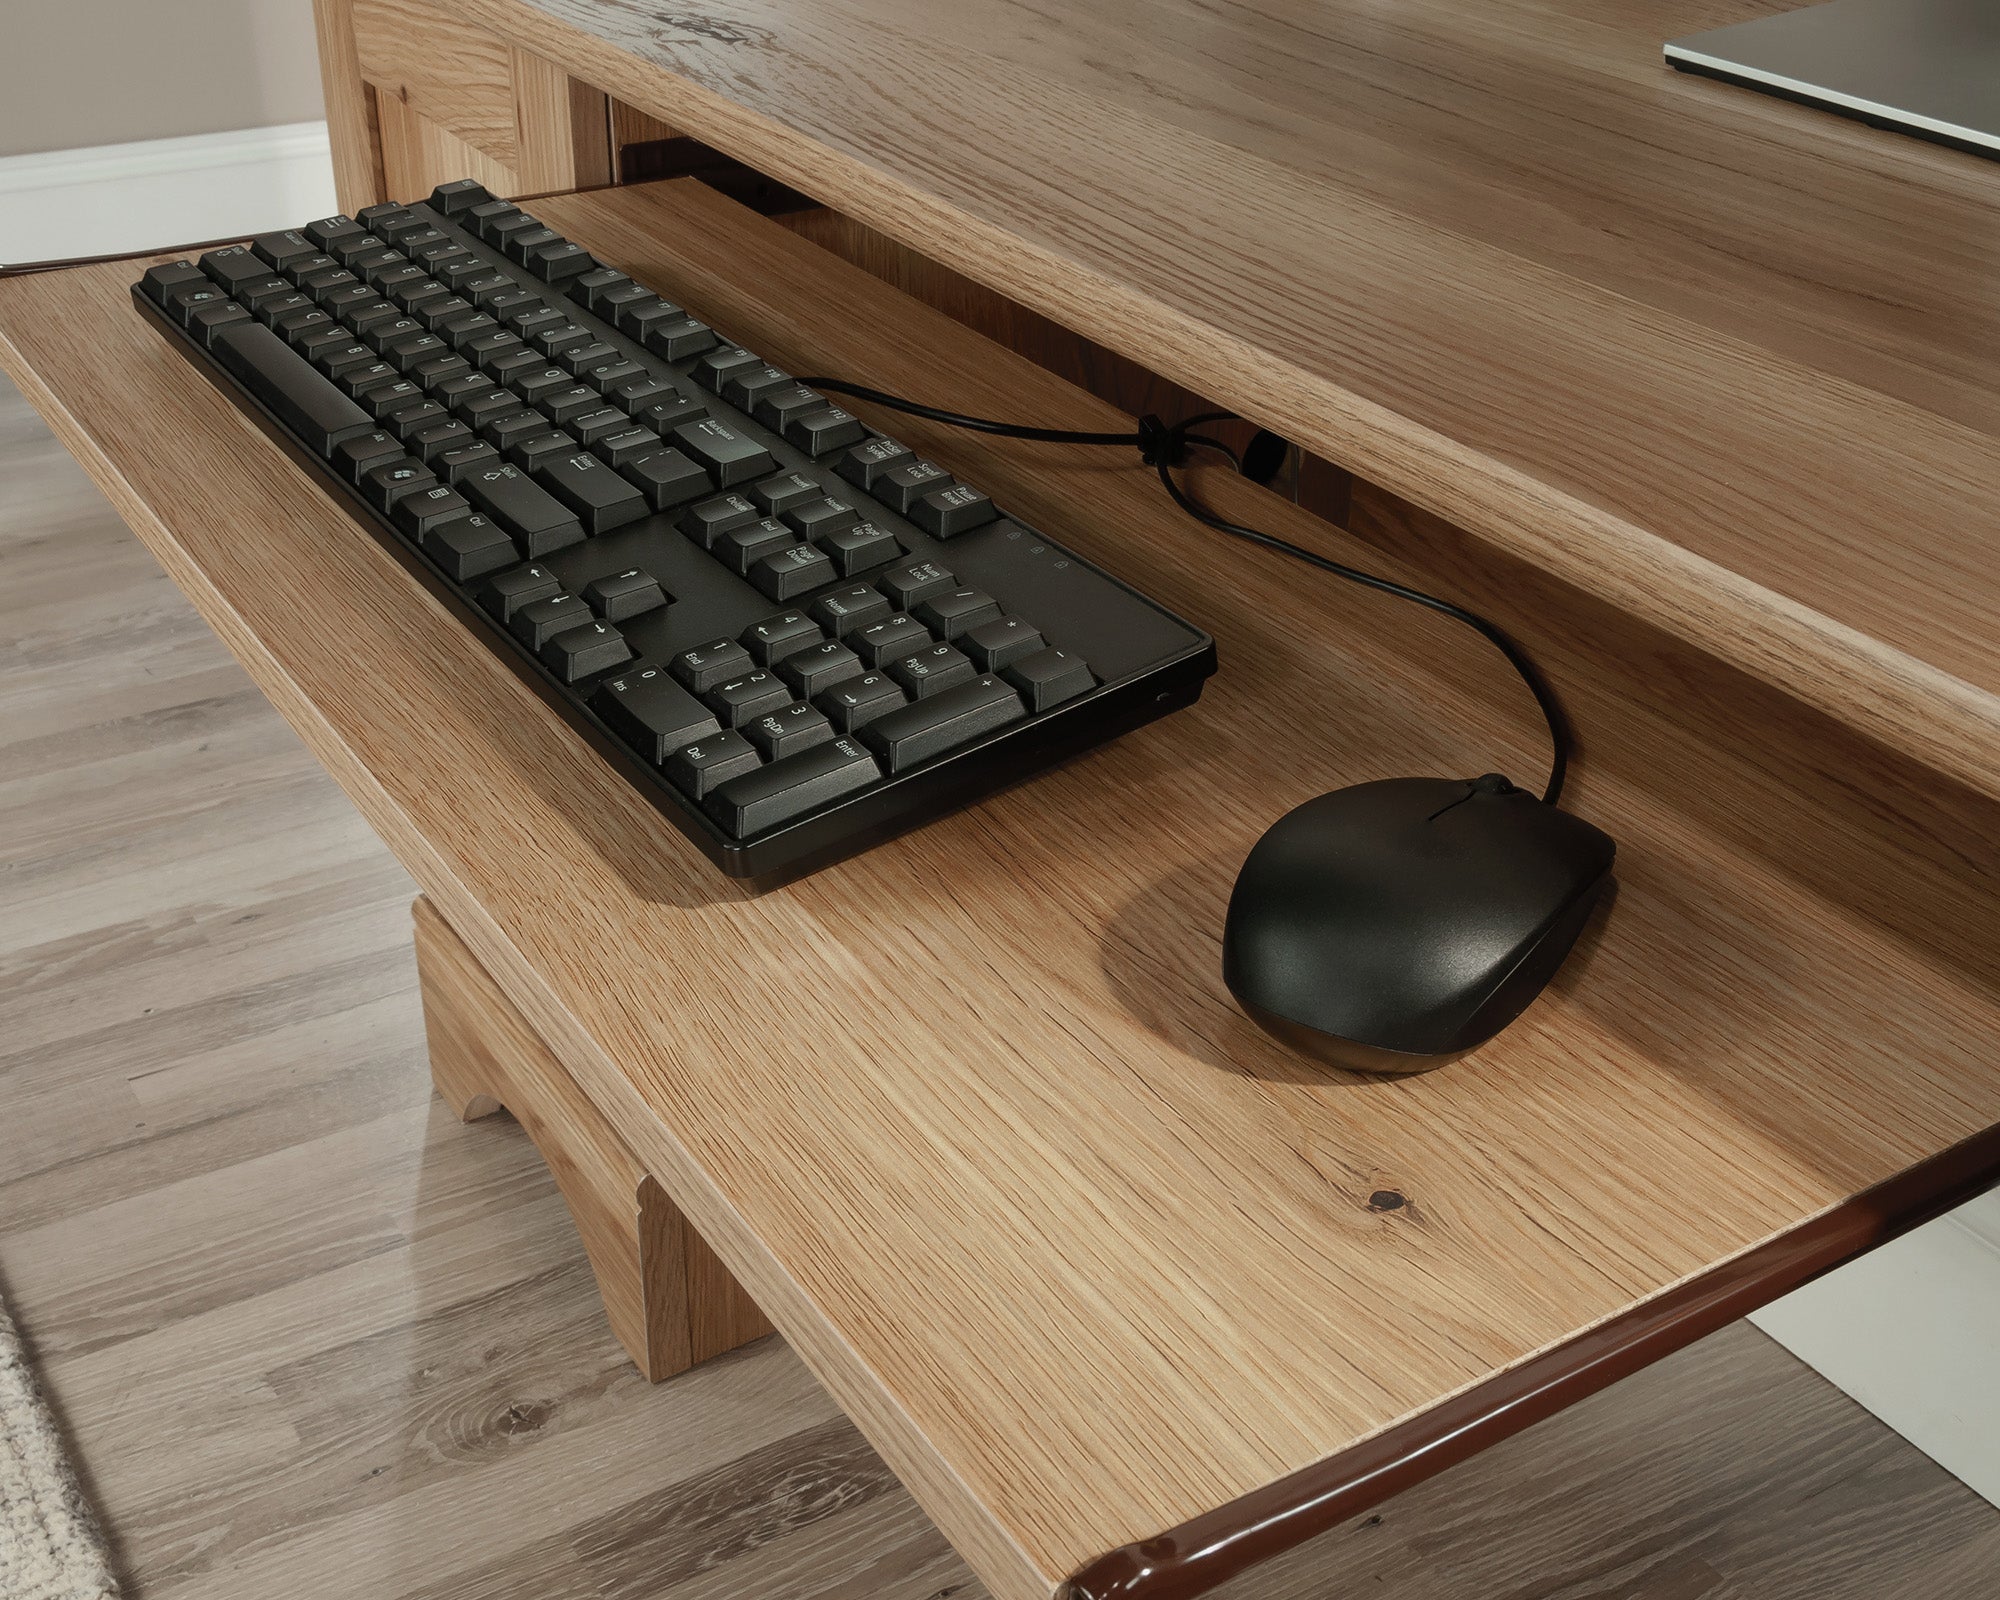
50 1548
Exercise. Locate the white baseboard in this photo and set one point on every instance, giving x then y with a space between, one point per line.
1912 1332
159 193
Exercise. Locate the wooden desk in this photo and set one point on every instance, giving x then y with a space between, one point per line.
1127 1294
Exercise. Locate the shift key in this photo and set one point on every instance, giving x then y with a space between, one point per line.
535 520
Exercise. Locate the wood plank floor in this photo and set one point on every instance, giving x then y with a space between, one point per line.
312 1337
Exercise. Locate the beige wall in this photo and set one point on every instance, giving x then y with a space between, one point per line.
84 72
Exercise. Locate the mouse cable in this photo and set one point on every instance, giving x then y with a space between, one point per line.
1164 446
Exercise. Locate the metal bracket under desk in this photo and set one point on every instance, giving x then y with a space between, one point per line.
1007 1080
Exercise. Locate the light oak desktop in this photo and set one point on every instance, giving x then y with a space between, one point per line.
1553 305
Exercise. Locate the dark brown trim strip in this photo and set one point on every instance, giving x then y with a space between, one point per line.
1196 1556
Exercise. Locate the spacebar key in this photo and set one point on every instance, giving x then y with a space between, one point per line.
289 385
792 786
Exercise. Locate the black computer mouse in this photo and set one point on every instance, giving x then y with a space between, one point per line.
1393 926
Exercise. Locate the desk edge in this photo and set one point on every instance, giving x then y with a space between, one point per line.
1197 1555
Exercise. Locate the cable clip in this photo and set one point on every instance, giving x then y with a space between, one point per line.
1159 442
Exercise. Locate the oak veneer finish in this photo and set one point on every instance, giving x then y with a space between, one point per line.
669 1301
1724 360
234 1219
971 1116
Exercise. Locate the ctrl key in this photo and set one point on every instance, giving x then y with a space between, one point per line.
791 787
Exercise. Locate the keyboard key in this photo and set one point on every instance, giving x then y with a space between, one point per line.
453 463
843 610
944 721
742 548
389 482
906 586
507 592
787 731
234 265
460 195
592 426
560 405
536 519
786 490
206 321
558 262
283 380
828 428
667 478
383 398
173 274
586 287
595 647
699 768
184 300
514 428
1049 677
932 670
819 666
620 595
711 519
855 702
429 443
707 665
781 400
744 699
601 499
468 547
792 572
993 645
776 637
629 444
950 512
407 420
715 368
359 452
902 487
730 457
679 338
896 635
866 462
417 512
815 519
791 787
668 411
860 547
327 229
743 383
539 621
652 713
280 248
956 611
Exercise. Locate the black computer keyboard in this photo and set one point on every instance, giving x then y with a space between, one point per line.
795 636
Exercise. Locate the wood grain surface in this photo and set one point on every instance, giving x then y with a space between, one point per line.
670 1302
1725 359
311 1336
1081 1250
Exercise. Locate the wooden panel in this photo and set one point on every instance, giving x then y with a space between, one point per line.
350 108
418 155
298 1247
669 1301
1732 363
1323 488
1007 1080
562 130
460 79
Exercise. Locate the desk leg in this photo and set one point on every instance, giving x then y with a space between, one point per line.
670 1301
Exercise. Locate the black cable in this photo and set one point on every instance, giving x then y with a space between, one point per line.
1163 447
